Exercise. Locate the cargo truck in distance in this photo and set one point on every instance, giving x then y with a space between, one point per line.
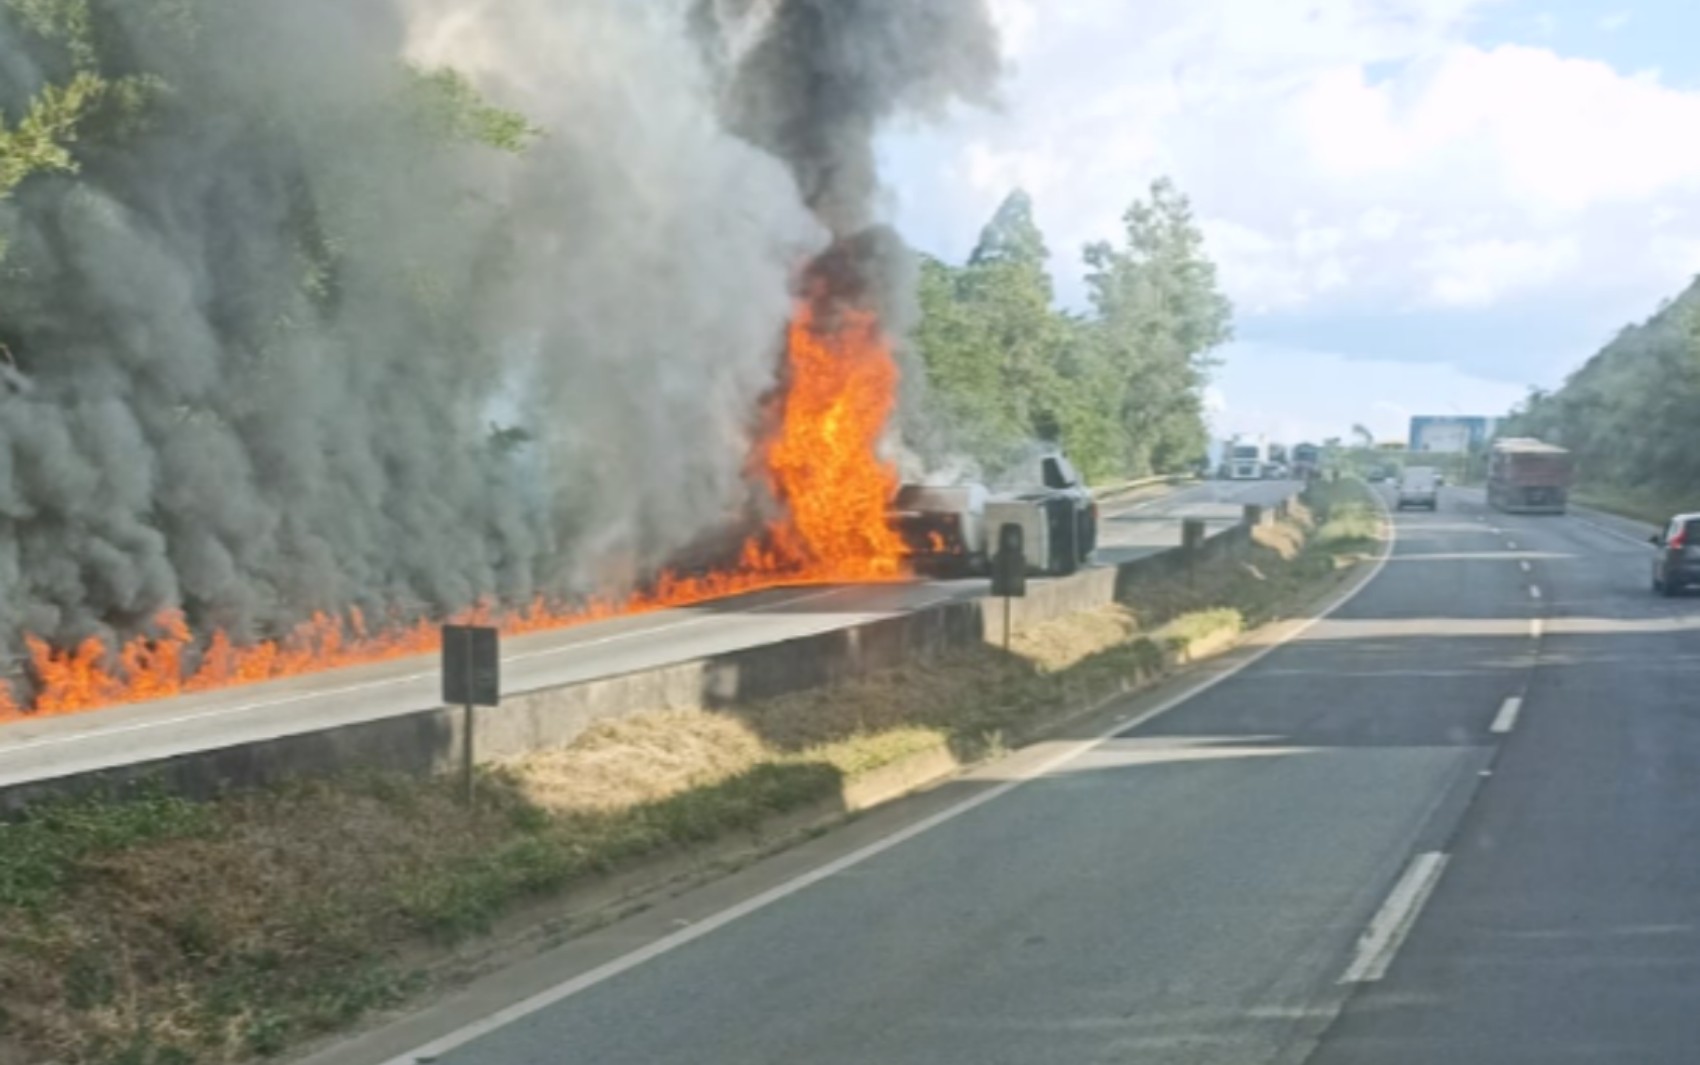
952 531
1307 462
1247 460
1528 476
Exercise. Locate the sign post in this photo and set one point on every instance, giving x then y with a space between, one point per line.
1192 543
472 677
1009 571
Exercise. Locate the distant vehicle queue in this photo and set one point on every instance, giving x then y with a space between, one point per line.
1524 475
1248 460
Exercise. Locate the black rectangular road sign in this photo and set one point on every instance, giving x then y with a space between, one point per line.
472 666
1009 564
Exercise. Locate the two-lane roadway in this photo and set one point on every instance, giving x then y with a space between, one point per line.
1456 820
1567 925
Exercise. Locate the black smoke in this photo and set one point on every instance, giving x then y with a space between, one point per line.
287 344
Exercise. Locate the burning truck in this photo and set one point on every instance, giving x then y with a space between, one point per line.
952 531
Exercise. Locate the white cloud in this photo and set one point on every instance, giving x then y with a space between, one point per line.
1343 154
1522 126
1613 21
1265 274
1293 394
1015 20
1479 273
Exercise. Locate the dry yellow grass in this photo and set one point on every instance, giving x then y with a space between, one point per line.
1065 642
639 759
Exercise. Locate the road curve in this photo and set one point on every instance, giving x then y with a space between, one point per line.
55 747
1214 884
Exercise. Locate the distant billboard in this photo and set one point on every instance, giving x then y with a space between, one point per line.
1450 434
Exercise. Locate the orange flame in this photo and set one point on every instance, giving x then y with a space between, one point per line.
822 463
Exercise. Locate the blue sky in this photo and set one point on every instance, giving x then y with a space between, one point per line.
1418 206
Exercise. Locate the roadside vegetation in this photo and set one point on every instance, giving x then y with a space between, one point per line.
157 931
1120 387
1649 503
1628 416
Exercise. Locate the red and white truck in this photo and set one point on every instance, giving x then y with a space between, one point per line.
1529 476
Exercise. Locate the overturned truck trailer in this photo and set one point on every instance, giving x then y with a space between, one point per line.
953 530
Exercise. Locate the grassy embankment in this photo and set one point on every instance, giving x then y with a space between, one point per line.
155 931
1655 506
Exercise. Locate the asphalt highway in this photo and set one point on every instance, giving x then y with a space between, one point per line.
1567 925
53 747
1457 820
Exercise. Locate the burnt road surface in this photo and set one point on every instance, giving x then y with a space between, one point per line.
54 747
1456 821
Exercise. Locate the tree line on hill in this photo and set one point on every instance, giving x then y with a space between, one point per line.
1629 415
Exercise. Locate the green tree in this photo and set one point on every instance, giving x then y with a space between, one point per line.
991 339
1120 388
1628 413
1161 314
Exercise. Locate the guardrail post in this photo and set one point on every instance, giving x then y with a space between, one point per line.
1253 515
1193 533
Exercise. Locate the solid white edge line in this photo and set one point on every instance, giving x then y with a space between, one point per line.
1537 628
1609 531
1506 719
1534 591
589 979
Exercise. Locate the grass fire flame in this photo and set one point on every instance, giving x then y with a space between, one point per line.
822 462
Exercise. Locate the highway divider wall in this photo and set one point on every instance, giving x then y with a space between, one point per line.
432 739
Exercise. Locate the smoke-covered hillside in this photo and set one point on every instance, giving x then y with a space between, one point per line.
403 304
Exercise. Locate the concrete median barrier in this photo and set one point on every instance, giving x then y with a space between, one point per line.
431 738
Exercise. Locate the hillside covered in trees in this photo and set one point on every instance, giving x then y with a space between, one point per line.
1119 386
1630 413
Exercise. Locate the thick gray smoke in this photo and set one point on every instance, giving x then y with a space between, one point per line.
813 81
295 343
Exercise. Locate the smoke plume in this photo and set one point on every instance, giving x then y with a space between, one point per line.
813 81
300 337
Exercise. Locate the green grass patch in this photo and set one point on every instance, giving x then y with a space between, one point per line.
1349 520
1651 504
43 854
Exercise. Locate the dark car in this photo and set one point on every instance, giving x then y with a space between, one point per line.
1677 564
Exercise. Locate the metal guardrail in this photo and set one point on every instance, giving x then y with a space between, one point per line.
1106 491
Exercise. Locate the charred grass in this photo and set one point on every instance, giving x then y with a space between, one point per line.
156 931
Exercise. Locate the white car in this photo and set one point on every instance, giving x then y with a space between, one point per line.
1419 486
